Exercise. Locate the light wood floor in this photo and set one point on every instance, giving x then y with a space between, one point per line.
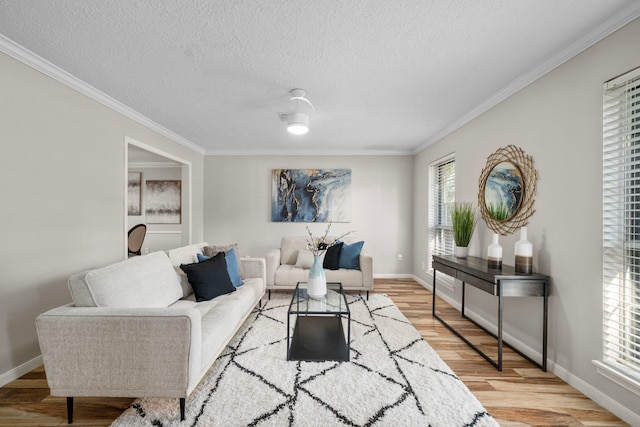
520 395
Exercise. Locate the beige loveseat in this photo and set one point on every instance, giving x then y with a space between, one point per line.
283 273
134 328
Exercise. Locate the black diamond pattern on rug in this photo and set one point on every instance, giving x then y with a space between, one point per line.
394 378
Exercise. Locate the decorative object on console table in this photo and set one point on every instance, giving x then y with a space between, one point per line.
494 253
524 253
463 220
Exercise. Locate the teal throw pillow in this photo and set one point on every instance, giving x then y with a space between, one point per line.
233 267
350 256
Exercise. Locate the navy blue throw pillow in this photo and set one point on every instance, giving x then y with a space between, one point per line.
209 279
332 256
231 258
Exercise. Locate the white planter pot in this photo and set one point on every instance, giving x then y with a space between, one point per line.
460 251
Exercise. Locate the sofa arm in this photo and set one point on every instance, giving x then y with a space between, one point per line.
124 352
253 267
273 262
366 266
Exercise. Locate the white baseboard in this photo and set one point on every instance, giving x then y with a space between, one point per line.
626 414
19 371
424 284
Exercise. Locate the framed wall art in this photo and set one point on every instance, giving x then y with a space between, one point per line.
134 196
163 202
311 195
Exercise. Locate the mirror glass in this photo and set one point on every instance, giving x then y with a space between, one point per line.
503 191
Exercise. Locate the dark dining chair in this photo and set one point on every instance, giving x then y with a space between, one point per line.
136 237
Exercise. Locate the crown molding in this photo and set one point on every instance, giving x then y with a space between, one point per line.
154 165
40 64
598 33
311 152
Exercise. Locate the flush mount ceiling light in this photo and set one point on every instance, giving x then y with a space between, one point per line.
298 120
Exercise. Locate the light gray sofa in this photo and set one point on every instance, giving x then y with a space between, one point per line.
282 272
134 328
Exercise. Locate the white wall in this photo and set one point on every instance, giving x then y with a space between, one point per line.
558 121
237 205
62 198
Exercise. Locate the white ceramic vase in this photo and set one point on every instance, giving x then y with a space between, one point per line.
317 283
524 253
494 253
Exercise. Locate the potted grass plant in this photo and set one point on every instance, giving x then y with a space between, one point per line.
463 220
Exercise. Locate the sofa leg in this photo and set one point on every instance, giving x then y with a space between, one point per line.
269 293
367 295
182 403
70 410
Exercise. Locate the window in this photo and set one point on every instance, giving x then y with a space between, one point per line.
442 189
621 228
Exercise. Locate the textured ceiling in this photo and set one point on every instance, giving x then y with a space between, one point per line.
384 76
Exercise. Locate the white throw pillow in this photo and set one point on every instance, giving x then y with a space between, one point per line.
305 259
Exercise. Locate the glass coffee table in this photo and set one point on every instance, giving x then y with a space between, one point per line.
318 334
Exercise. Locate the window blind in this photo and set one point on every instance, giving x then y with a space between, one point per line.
442 191
621 224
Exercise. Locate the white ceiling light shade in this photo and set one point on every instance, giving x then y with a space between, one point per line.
298 123
298 120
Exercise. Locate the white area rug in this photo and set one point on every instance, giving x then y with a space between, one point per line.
394 378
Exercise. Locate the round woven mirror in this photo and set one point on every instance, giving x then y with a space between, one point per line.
506 190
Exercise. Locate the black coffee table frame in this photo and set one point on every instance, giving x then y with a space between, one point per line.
318 334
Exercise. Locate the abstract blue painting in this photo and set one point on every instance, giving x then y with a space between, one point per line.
311 195
503 191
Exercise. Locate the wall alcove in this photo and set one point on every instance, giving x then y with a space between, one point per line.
154 164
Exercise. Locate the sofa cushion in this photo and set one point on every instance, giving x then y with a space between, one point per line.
290 275
349 278
289 248
332 256
142 281
305 259
185 254
209 278
222 316
350 256
184 282
287 276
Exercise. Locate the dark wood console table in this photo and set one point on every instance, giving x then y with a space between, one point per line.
501 283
